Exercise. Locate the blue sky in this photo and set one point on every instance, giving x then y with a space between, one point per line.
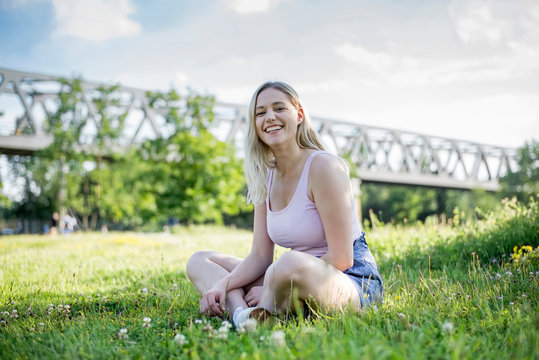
467 69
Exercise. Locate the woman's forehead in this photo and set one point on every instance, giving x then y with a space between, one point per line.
271 95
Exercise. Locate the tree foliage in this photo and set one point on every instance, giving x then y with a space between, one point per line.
524 182
187 174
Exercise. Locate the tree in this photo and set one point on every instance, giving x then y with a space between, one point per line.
524 182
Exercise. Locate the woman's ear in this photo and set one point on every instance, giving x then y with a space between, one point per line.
301 115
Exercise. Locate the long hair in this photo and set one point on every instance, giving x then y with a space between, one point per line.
258 156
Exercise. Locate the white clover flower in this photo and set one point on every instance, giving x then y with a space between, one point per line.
145 290
223 330
222 336
147 322
174 286
180 339
15 314
226 324
5 313
41 324
198 321
508 273
122 334
250 325
511 303
278 338
498 276
262 338
104 299
401 316
500 297
448 327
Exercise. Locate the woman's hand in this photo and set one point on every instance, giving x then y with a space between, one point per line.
253 296
213 301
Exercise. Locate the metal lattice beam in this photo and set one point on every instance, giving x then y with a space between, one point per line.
379 154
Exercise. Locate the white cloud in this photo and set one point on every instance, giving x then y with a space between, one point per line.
357 54
252 6
496 22
96 20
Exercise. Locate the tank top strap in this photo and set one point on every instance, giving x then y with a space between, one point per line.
304 179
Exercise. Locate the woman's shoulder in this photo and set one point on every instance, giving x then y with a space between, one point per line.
327 168
327 162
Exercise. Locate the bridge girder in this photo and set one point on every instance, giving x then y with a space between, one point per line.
378 154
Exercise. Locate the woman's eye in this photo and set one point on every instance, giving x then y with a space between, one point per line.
260 113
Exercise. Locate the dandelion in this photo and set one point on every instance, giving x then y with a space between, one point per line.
122 334
145 290
401 316
180 339
174 287
278 338
146 322
448 327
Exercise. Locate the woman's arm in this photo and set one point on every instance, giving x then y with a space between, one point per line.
249 270
329 184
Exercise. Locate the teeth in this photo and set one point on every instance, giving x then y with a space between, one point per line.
272 128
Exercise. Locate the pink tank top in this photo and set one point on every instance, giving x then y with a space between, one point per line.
298 226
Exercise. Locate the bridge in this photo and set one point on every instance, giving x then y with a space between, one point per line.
378 154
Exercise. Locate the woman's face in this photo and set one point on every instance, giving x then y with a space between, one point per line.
276 118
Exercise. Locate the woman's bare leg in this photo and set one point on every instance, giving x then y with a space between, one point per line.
311 279
206 268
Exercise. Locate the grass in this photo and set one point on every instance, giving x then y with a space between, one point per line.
452 292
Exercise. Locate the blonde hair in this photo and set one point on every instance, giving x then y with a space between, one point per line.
258 156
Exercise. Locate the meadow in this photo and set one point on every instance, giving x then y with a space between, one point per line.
463 290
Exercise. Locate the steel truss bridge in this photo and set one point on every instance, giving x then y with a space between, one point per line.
379 155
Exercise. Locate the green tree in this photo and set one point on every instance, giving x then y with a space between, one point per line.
524 182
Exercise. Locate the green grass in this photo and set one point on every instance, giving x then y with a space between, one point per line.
451 293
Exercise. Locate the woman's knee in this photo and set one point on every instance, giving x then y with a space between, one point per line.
196 261
289 268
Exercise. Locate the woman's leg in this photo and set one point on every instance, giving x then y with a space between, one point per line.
312 279
205 268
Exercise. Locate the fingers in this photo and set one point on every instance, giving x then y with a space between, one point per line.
210 304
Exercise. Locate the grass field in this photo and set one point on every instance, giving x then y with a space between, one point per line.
451 292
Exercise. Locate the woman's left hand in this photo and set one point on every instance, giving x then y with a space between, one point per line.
253 295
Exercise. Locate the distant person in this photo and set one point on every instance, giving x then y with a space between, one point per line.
69 224
53 224
303 201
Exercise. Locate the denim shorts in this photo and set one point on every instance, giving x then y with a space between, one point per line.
365 275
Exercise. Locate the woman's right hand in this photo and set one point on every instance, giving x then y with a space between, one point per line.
213 301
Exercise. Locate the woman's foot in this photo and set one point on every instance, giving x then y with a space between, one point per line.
241 315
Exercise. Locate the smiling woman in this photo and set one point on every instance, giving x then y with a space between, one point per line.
303 201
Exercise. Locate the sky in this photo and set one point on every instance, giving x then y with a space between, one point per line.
465 69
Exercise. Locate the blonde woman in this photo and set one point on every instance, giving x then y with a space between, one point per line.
303 201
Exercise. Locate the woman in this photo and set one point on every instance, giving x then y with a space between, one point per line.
303 201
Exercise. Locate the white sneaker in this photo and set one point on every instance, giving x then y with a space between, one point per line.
241 315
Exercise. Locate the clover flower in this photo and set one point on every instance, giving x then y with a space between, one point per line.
448 327
248 325
5 313
278 338
145 290
226 324
500 297
198 321
174 287
180 339
15 314
146 322
401 316
122 334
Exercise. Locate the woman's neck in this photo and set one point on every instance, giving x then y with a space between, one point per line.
287 159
